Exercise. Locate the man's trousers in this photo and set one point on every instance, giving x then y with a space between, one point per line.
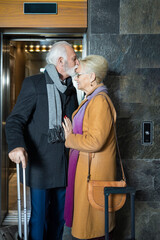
47 214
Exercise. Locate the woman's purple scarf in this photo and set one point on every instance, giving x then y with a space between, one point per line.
77 129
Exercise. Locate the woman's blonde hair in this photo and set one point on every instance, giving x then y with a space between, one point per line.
96 64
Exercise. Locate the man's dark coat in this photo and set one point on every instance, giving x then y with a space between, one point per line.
27 127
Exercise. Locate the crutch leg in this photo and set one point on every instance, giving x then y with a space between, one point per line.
19 203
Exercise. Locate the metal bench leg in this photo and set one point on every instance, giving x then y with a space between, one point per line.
106 218
132 195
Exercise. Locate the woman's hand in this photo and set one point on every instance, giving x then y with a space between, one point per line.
67 125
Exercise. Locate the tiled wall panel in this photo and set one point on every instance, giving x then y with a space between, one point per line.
127 33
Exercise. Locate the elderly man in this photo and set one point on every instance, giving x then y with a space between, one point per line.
35 137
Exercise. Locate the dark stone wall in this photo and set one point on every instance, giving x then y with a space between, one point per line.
127 34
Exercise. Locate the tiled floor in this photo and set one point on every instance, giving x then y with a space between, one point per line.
12 217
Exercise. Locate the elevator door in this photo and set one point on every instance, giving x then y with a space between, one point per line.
22 57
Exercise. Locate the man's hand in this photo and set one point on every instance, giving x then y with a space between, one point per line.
18 155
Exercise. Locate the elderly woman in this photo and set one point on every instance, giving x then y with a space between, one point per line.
92 132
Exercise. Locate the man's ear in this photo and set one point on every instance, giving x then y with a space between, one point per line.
61 61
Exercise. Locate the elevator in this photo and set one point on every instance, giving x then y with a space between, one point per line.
23 54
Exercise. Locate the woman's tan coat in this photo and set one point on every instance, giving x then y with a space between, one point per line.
98 138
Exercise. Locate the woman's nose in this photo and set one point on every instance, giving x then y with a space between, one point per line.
77 62
75 78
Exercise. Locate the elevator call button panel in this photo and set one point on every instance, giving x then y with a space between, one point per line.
147 132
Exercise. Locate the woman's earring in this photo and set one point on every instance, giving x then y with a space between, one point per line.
91 84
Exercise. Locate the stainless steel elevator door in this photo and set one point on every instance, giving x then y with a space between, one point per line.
4 110
21 57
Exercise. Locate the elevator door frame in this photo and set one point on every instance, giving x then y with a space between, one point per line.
4 111
5 38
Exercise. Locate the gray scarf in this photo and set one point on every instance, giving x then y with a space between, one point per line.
54 85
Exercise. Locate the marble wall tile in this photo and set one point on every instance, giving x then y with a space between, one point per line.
139 17
144 175
136 95
104 16
129 134
133 83
136 99
125 53
147 216
151 86
141 88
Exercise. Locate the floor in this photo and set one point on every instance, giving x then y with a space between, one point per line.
12 217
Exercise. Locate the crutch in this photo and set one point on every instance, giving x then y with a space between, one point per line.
19 204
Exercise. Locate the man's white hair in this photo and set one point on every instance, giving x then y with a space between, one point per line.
57 50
